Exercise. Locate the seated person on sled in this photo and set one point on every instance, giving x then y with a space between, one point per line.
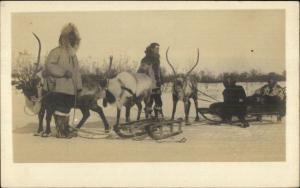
234 102
271 97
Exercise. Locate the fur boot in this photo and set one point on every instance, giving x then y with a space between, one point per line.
62 125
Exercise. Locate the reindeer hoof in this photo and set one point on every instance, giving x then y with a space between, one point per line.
197 119
69 136
60 135
73 130
73 134
245 125
188 123
279 118
39 133
116 128
46 134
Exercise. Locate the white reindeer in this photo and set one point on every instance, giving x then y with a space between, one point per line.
128 89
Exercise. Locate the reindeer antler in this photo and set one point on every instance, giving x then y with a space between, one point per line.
197 61
39 55
169 62
110 62
109 67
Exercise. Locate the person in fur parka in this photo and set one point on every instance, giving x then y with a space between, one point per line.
150 65
63 77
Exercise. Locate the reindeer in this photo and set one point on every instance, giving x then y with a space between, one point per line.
184 88
128 89
31 85
85 102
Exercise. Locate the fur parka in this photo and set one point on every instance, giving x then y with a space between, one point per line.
62 59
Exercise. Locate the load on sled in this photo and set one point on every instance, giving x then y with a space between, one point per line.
268 100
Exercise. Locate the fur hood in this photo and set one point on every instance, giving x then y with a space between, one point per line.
64 40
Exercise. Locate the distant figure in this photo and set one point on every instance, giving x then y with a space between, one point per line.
150 65
63 78
272 90
234 102
272 96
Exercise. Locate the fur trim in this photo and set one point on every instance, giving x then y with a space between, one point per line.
61 114
64 37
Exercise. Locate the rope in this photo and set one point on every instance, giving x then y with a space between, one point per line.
205 100
207 95
85 131
75 101
91 135
75 90
180 140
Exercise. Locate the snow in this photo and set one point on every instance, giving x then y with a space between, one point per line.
260 142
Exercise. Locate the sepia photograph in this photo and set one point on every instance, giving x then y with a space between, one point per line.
157 86
128 80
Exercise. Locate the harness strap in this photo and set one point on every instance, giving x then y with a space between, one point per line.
128 90
124 88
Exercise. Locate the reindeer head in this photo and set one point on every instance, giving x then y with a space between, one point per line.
29 87
181 83
27 80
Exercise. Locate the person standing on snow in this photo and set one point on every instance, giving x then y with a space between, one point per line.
150 65
63 77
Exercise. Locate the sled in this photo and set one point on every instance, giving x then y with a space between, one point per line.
214 118
254 112
156 129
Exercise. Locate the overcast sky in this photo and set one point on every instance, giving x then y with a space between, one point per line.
228 40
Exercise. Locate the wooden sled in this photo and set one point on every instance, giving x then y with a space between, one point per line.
156 129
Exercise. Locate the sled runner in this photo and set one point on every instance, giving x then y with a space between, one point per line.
157 129
163 129
255 112
214 118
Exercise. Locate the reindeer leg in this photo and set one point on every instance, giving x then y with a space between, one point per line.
85 115
174 109
49 113
148 105
196 108
127 114
175 101
116 126
139 105
41 119
146 101
187 105
99 110
50 107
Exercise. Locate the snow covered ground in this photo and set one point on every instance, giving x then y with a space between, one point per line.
260 142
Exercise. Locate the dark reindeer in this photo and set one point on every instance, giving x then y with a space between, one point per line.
184 88
31 85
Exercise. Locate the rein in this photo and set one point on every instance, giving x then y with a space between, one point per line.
124 88
201 92
75 100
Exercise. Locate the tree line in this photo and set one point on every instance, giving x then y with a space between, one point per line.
97 70
246 76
